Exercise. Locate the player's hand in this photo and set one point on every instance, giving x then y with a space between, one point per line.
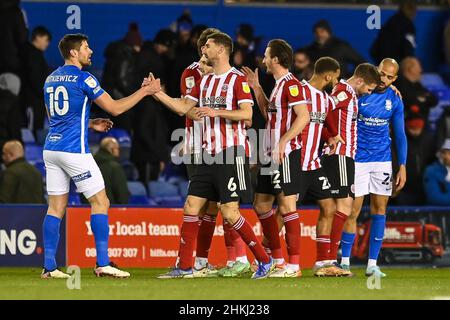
206 112
397 92
101 125
151 85
252 77
333 142
400 181
278 153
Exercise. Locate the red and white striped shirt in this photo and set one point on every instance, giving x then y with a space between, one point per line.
347 112
226 91
319 103
193 132
280 114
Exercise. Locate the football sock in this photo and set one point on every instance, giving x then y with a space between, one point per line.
205 235
323 247
50 230
346 246
336 233
100 229
246 232
189 231
292 226
270 229
376 235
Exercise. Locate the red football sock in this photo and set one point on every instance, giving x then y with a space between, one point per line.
323 247
246 232
205 235
239 246
189 231
336 233
229 242
292 226
270 229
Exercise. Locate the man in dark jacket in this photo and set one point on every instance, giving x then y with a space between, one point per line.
421 152
397 37
21 182
121 75
416 97
112 172
10 116
437 178
35 71
326 44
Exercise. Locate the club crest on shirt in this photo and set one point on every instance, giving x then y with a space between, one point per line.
293 90
225 88
245 87
388 105
190 82
91 82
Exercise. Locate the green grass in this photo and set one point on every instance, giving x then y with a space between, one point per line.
24 283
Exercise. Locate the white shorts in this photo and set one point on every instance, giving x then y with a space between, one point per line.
80 167
373 177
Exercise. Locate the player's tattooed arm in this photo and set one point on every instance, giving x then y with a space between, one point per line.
100 125
253 82
244 113
302 120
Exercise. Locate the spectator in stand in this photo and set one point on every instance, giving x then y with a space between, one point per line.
21 182
421 153
302 68
35 71
437 178
121 73
10 116
397 37
149 151
416 97
107 159
13 36
325 44
244 53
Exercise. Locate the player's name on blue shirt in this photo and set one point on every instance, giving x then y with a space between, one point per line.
375 113
68 94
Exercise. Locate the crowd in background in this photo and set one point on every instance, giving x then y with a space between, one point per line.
128 60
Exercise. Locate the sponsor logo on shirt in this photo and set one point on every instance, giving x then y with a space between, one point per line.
215 102
55 137
371 121
318 117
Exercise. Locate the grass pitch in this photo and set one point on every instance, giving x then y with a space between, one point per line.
24 283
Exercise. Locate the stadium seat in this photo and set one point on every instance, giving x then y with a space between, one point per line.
27 136
33 153
183 188
74 199
136 188
41 168
162 189
41 135
430 80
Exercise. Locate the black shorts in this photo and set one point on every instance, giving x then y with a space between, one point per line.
340 171
223 183
191 162
315 184
285 178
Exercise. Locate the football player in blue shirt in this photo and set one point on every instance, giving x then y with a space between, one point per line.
373 163
68 94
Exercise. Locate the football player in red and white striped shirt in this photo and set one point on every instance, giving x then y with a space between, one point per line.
237 261
340 166
225 103
287 115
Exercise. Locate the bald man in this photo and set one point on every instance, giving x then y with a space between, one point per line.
107 159
373 162
21 182
416 98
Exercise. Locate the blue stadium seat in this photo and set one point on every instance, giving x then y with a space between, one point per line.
430 80
123 137
41 135
162 189
27 136
41 168
175 201
33 153
136 188
183 188
74 199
